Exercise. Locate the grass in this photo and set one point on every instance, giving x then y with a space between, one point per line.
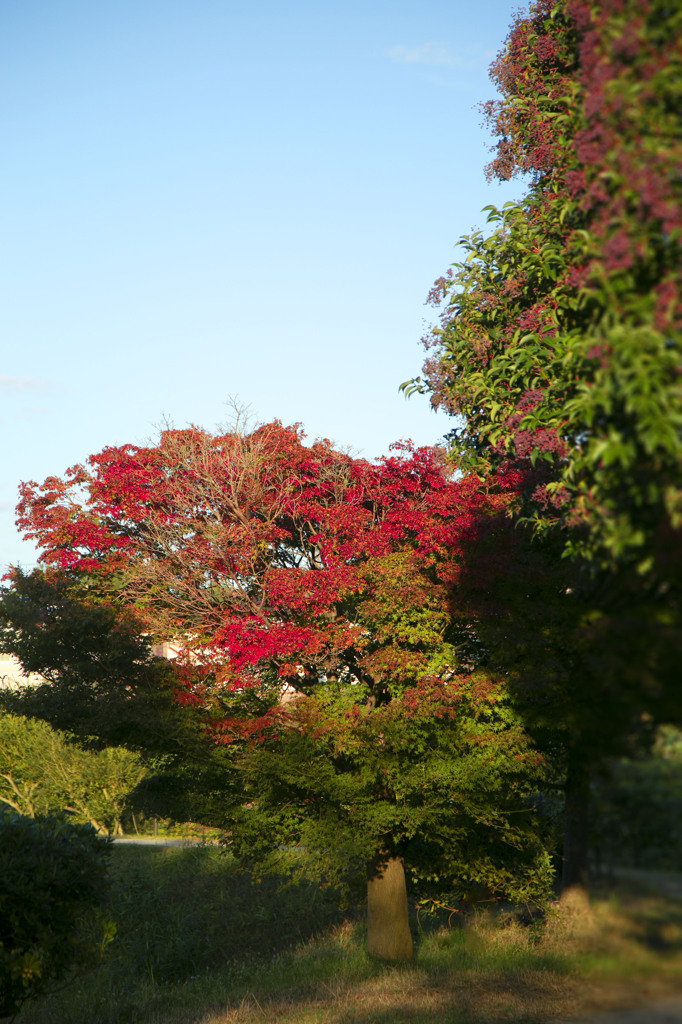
199 941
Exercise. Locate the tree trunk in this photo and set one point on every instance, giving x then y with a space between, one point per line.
576 838
388 930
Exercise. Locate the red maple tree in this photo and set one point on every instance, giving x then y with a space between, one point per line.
299 570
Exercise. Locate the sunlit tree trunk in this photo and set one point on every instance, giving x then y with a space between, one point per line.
388 930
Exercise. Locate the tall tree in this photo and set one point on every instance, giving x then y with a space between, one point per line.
559 342
316 596
559 350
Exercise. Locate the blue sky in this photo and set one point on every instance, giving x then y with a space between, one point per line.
207 199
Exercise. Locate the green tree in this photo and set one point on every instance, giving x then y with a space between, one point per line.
559 351
590 663
559 342
42 773
104 688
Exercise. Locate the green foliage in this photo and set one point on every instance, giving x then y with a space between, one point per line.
559 350
589 662
560 341
41 772
637 821
446 791
52 882
101 681
104 688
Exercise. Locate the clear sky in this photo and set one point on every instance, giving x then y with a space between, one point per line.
203 199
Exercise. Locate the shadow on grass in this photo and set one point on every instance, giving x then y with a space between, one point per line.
656 924
191 928
201 941
182 912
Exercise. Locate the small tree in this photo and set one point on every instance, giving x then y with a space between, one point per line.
303 573
104 690
41 772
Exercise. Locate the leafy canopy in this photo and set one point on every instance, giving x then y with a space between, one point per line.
559 342
315 596
102 689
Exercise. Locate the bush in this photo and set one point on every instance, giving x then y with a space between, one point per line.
637 809
52 885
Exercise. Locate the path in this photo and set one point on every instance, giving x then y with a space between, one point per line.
665 881
664 1011
155 841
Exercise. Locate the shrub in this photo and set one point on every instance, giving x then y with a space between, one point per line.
52 885
637 809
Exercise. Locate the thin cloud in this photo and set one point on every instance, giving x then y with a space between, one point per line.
438 55
19 385
427 53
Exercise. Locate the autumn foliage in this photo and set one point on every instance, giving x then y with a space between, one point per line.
318 595
281 562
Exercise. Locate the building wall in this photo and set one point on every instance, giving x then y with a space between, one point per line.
12 675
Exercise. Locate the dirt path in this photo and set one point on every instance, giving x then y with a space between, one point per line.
665 881
152 841
161 841
663 1011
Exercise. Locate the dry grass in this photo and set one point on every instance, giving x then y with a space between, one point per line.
619 953
199 943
